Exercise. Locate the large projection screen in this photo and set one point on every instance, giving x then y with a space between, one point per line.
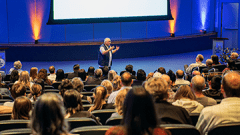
104 11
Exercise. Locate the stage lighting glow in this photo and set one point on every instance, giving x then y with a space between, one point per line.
203 11
36 15
174 10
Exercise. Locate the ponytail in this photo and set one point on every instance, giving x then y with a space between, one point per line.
100 95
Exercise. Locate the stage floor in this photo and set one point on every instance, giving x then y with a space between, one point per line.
148 64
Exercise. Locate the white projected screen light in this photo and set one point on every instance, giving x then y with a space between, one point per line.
81 9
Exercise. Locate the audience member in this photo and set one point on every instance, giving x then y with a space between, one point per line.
42 74
230 66
209 63
48 116
180 80
95 80
65 85
186 99
21 108
234 57
59 75
126 82
36 91
79 86
111 75
105 71
75 73
214 88
100 93
17 65
90 71
24 79
139 117
166 112
172 76
150 75
17 90
40 82
228 110
129 68
215 60
141 77
52 76
83 74
171 93
116 83
197 85
109 87
14 76
157 74
198 63
33 73
162 70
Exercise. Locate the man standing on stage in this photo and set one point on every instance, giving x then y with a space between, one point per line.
105 54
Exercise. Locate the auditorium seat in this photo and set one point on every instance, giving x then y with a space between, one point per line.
87 106
194 117
85 102
88 88
103 114
51 90
48 87
91 130
87 93
80 122
181 129
6 116
13 124
5 100
7 77
21 131
114 121
226 129
56 84
219 67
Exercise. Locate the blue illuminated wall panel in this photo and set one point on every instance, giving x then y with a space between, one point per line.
157 29
131 30
3 22
103 30
79 32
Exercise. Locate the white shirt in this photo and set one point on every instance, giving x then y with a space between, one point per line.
110 55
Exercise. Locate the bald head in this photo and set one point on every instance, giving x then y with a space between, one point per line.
52 69
126 79
231 84
180 74
198 83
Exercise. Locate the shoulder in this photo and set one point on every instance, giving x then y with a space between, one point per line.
160 131
116 130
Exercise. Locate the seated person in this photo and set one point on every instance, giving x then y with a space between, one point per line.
230 66
198 63
136 120
108 85
24 79
75 73
214 88
65 85
186 99
33 74
129 68
14 76
141 77
105 71
36 91
59 75
21 108
100 93
95 80
111 75
215 60
42 74
116 83
17 65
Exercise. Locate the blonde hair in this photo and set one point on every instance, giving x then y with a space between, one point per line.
116 83
36 90
120 100
108 85
17 64
24 78
100 95
184 92
111 75
33 73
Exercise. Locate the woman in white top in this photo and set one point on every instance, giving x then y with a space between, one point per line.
185 98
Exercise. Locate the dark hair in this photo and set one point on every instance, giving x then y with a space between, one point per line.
215 59
129 68
21 108
65 85
105 70
162 70
42 74
76 67
210 76
43 70
100 95
216 82
33 73
36 89
82 74
232 65
141 75
59 75
72 101
48 116
91 71
18 90
126 79
172 76
139 115
14 76
51 69
41 82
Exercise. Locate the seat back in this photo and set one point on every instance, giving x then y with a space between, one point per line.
103 114
21 131
89 87
114 121
91 130
7 77
87 106
219 67
194 117
6 116
80 122
13 124
56 84
5 100
85 102
51 90
48 87
180 129
87 93
226 129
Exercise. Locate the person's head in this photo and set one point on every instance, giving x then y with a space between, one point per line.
100 93
234 55
141 75
21 108
210 76
139 115
126 79
17 64
194 73
180 74
150 75
82 74
43 70
24 77
157 87
129 68
72 101
107 41
36 91
209 62
108 85
18 90
111 75
40 82
184 91
48 115
65 85
91 71
157 75
59 75
98 73
199 58
197 84
232 65
77 84
42 75
120 100
105 70
231 84
167 79
76 67
161 70
51 69
215 59
216 82
33 72
14 76
116 82
172 76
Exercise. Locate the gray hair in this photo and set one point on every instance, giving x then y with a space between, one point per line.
17 64
105 40
98 72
